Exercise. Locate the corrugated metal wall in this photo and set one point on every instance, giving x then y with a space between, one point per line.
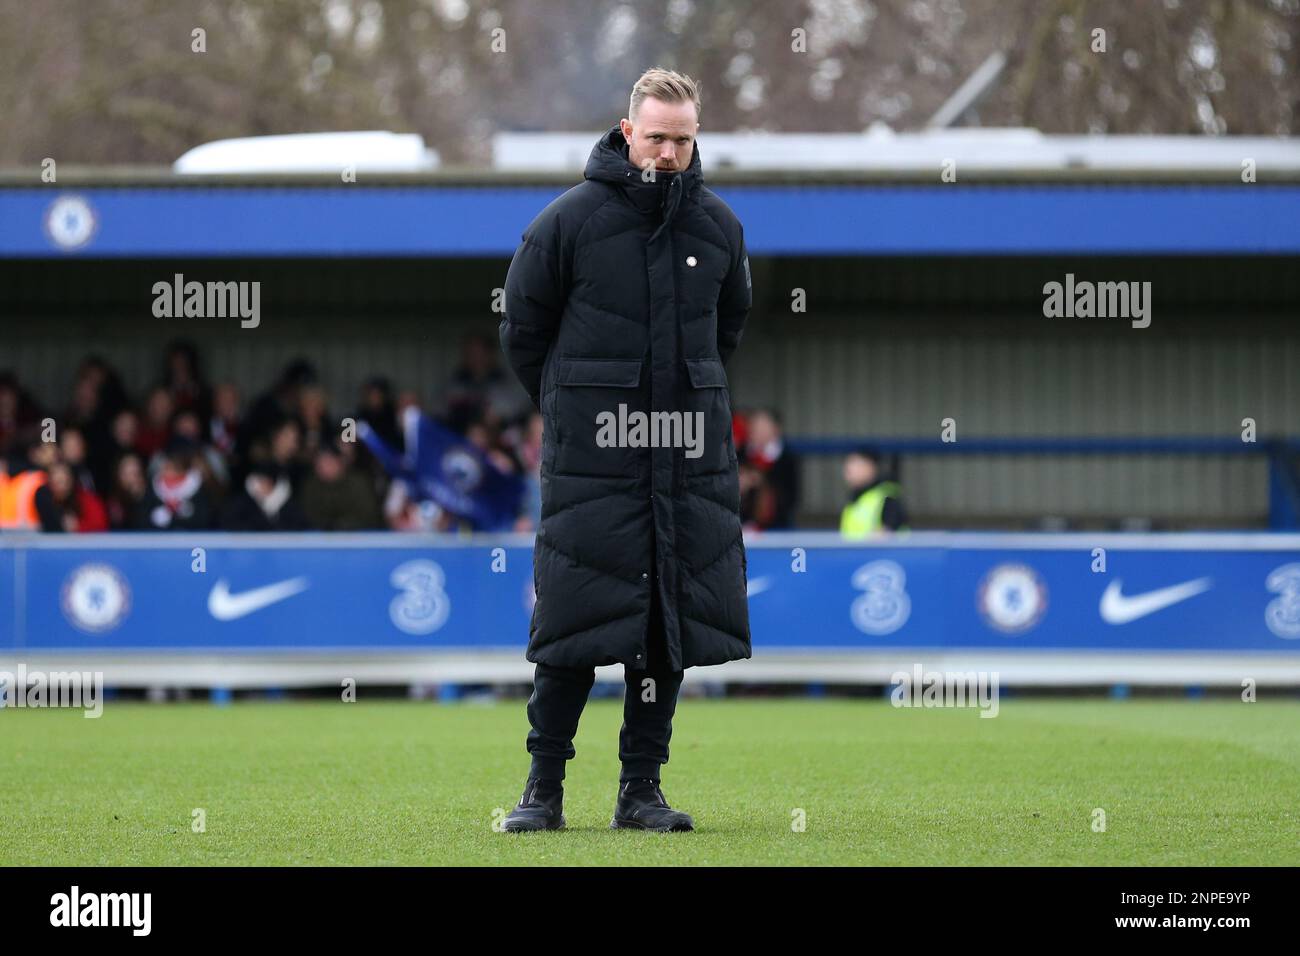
861 375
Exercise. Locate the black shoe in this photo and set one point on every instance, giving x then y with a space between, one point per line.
641 806
540 808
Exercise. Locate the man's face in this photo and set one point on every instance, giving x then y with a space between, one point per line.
762 429
259 487
859 471
329 467
662 136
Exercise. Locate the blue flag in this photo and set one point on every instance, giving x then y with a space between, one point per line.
443 467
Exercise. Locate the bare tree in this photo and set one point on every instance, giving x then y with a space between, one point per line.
118 81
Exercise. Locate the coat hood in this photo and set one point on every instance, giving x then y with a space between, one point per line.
609 163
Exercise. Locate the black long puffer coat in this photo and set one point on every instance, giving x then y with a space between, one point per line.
626 292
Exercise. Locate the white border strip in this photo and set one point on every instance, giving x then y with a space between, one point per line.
1023 669
982 540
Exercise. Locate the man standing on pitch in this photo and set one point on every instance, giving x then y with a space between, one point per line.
631 289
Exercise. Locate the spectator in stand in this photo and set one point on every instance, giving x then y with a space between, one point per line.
379 409
529 453
111 392
336 497
873 504
155 431
478 385
265 503
124 433
765 450
757 500
403 509
273 407
127 510
183 380
21 478
19 415
98 396
223 426
409 398
65 506
42 454
402 512
72 449
85 411
483 436
187 425
285 451
175 499
313 416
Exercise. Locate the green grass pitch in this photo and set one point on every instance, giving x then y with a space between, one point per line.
403 782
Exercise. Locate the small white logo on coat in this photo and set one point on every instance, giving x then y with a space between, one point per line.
1119 608
690 261
225 606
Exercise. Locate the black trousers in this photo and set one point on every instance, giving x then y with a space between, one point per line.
650 699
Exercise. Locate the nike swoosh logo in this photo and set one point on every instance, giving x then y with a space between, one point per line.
1118 608
757 586
225 606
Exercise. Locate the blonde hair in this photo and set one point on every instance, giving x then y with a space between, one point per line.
666 85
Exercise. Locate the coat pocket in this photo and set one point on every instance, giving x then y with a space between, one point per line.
706 373
610 373
591 397
710 400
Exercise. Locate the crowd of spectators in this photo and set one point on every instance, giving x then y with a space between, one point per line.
185 453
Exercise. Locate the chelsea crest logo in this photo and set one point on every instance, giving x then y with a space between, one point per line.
70 222
462 470
95 598
1012 598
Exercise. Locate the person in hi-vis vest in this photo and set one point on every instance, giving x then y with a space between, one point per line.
874 505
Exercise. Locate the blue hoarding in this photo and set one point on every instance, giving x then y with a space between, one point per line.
426 220
808 591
